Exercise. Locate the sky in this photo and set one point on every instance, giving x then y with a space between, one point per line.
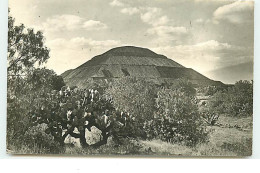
204 35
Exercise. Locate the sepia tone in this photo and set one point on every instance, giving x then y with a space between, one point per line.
142 78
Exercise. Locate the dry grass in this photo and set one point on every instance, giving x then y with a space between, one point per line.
232 138
158 147
226 141
129 147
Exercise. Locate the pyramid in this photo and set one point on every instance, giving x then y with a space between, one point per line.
130 61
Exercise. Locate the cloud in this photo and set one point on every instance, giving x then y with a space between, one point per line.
168 34
79 42
166 30
215 48
24 12
94 25
150 15
159 25
211 45
116 3
238 12
153 16
130 11
209 55
199 20
70 53
63 22
67 22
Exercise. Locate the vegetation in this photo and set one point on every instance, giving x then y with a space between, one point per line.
133 116
173 116
234 101
25 48
177 118
27 85
137 97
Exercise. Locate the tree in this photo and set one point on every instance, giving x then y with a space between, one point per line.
45 78
26 83
25 48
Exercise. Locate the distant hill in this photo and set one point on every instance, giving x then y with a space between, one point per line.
233 73
134 62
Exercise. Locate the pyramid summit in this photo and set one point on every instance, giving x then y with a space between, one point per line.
132 62
130 55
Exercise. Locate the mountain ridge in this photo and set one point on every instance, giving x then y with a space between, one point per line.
242 71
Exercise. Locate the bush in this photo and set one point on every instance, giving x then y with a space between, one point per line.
177 118
25 93
211 90
36 137
136 97
235 101
185 86
45 78
168 113
129 108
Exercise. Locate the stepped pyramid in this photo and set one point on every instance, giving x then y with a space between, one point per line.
133 62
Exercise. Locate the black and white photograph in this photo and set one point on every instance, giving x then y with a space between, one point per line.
153 78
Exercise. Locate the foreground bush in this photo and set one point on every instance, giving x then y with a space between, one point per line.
177 119
35 137
137 97
169 113
129 108
23 94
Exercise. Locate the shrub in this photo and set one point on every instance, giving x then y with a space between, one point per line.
25 93
136 97
177 118
36 137
235 101
44 78
184 86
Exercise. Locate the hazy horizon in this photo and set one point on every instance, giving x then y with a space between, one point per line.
204 35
